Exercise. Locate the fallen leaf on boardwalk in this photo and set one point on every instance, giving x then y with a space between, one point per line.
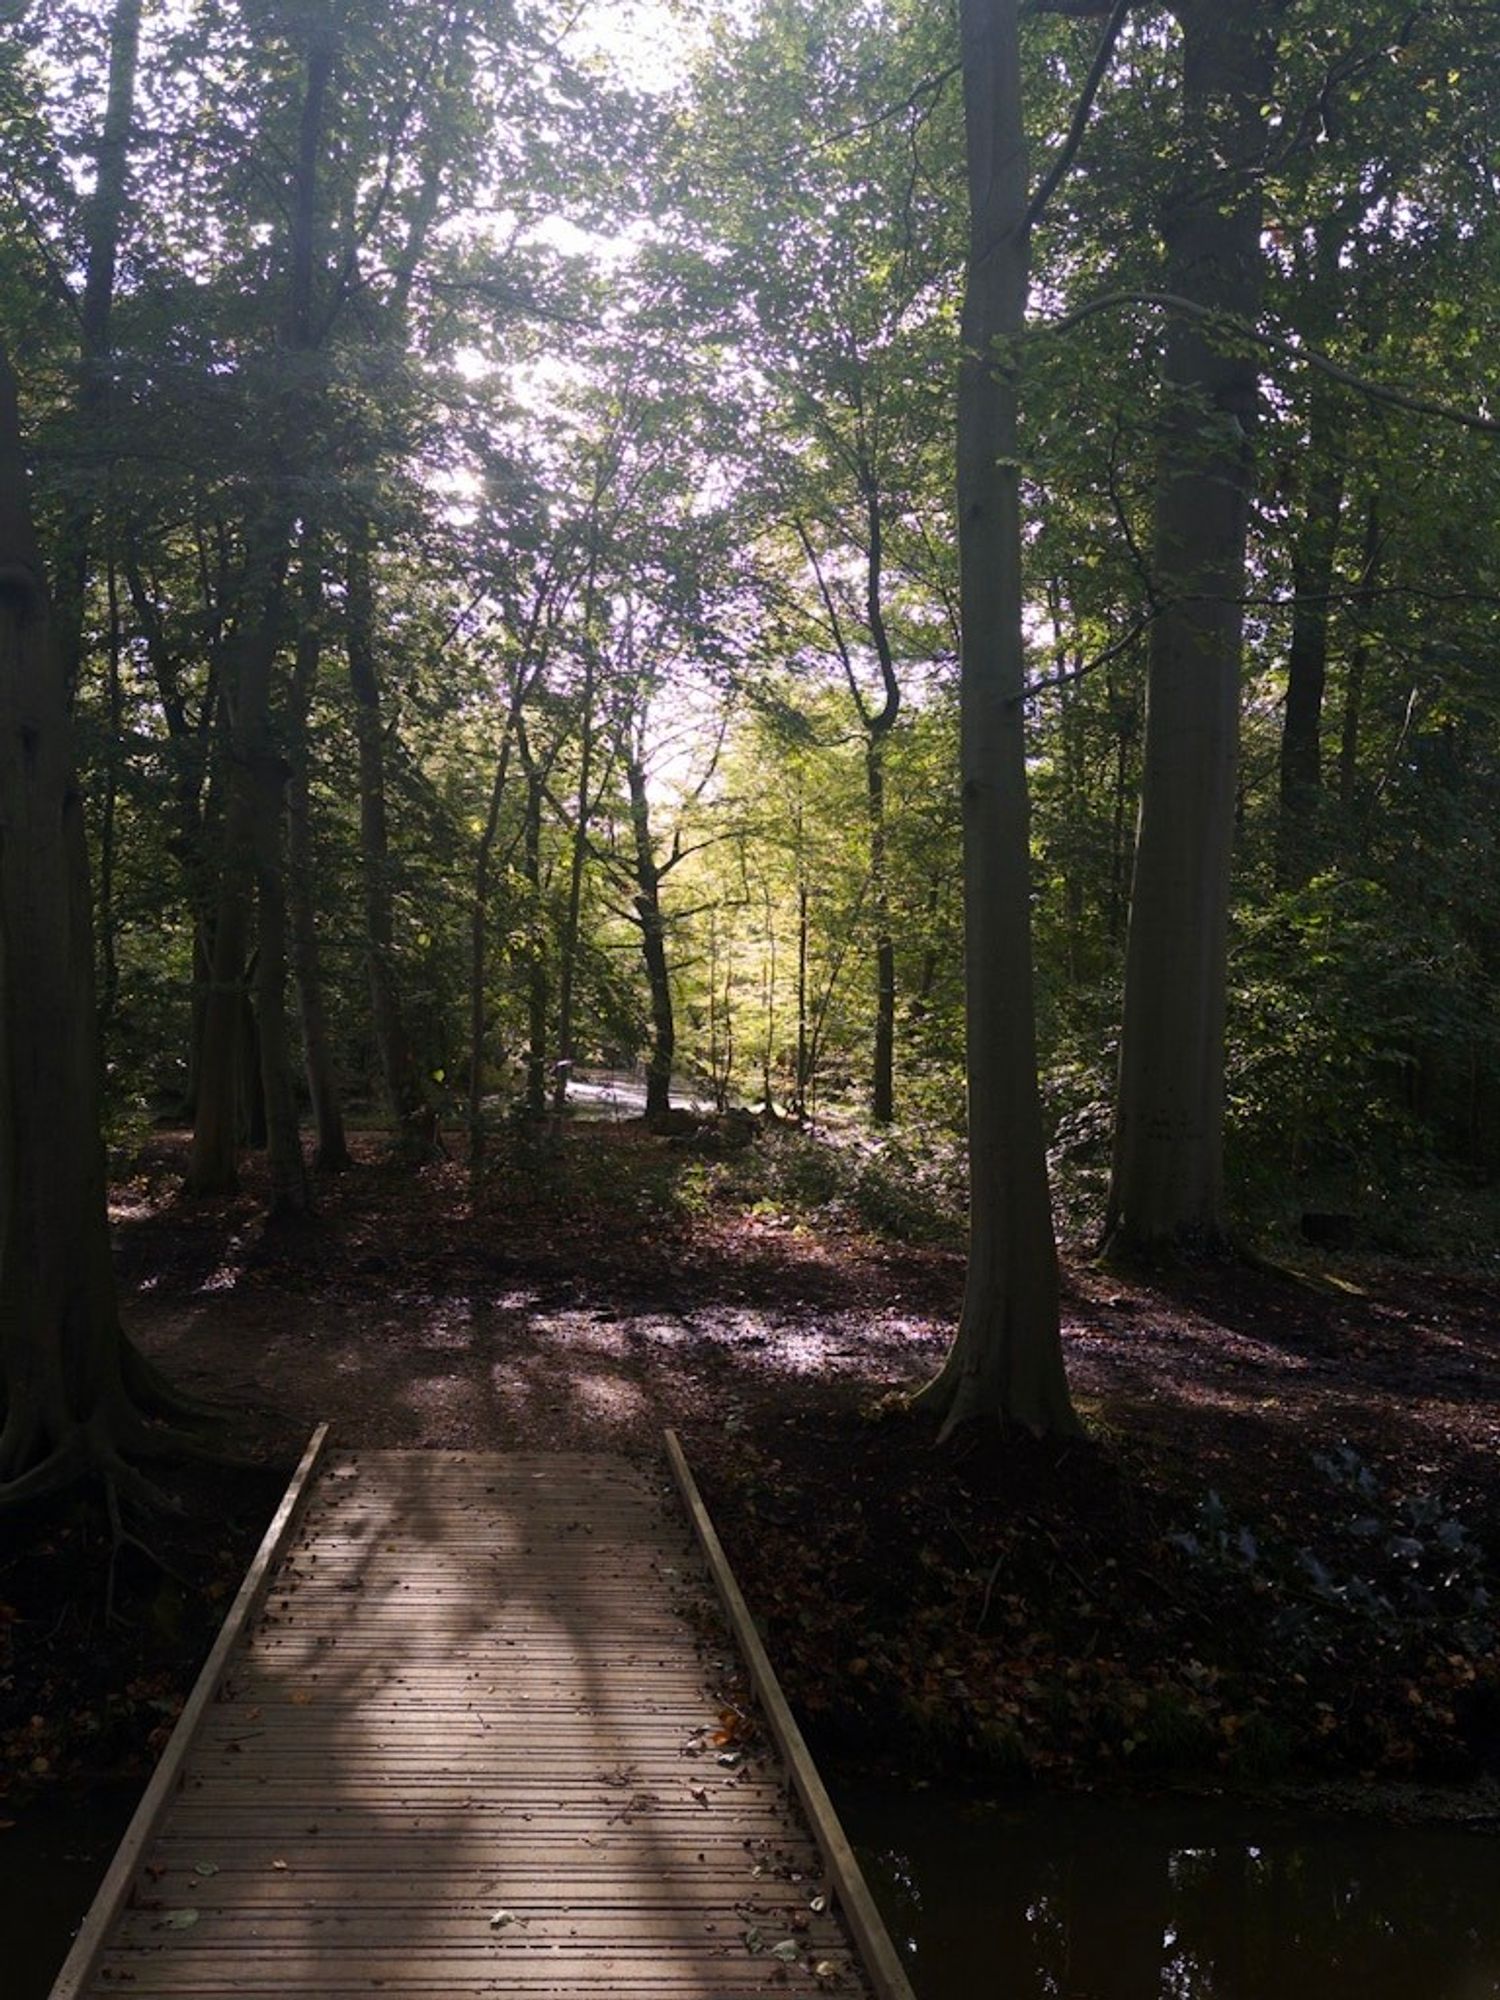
827 1971
205 1867
178 1920
754 1942
786 1951
279 1864
700 1793
503 1919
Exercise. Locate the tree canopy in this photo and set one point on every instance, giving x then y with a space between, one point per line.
528 506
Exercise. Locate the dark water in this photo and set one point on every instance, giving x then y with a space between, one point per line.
52 1859
1062 1899
1039 1899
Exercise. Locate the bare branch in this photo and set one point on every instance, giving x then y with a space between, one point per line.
1068 151
1277 343
835 623
1111 652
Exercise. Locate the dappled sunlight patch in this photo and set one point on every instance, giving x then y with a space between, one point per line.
448 1325
610 1398
225 1276
588 1332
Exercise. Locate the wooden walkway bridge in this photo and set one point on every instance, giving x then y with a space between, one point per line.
462 1734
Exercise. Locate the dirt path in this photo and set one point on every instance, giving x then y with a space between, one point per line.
1273 1556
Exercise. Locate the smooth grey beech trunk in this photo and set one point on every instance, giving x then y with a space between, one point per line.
1006 1361
1167 1185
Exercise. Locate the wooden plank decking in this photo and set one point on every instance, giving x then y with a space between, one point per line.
469 1747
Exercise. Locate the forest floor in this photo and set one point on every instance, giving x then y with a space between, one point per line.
1270 1562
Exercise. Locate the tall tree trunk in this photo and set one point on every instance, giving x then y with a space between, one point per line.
530 669
803 1076
883 1082
413 1119
102 227
536 948
190 815
1354 684
878 727
1006 1362
804 1043
567 949
73 1389
648 914
1313 552
213 1161
249 785
1123 710
768 1002
109 959
479 922
330 1143
290 1193
1167 1184
230 1081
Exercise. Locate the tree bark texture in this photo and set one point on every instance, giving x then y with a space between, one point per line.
1006 1361
68 1377
653 949
103 222
567 948
254 773
537 993
290 1192
213 1166
1314 547
330 1143
413 1119
479 932
1355 670
878 727
1167 1183
883 1082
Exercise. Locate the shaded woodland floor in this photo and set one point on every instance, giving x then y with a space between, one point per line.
1272 1561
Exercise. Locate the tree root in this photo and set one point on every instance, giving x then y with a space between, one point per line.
148 1389
37 1461
59 1468
136 1436
122 1539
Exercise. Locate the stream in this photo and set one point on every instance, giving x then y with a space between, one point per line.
1034 1898
53 1855
1042 1898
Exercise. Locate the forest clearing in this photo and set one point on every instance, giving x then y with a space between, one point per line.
918 582
1261 1572
1026 1613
